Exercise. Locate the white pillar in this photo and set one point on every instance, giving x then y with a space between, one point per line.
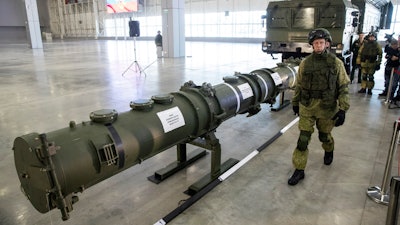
60 8
33 25
96 19
173 28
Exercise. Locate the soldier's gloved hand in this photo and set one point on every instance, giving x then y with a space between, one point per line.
339 118
358 66
296 110
378 67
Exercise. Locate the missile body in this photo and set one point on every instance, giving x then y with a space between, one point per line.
53 167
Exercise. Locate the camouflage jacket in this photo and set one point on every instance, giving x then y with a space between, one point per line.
330 69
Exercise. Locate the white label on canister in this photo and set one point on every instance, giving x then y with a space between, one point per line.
277 79
171 119
246 90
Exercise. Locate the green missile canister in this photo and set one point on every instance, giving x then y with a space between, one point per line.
52 167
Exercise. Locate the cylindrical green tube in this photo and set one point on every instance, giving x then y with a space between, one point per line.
60 163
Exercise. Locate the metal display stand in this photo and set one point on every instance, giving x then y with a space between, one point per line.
183 160
380 194
209 142
281 104
393 209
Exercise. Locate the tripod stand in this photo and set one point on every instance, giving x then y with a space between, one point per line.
135 63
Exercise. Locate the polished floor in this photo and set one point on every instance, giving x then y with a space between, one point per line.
42 90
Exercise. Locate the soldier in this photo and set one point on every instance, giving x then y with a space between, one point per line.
321 98
354 49
369 58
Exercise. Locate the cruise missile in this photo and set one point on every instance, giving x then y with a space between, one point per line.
53 167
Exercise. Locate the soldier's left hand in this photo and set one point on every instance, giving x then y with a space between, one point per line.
339 118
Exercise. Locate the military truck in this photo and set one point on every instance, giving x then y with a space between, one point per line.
374 15
289 22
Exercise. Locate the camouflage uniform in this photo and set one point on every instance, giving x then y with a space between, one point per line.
369 57
321 90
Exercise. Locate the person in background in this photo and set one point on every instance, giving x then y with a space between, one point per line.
158 42
392 62
369 59
354 49
321 98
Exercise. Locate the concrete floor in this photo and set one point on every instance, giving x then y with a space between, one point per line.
42 90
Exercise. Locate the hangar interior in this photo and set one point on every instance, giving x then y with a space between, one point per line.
44 89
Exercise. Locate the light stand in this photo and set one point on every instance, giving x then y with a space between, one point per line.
135 63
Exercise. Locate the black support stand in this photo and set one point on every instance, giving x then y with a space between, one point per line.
182 161
281 104
209 142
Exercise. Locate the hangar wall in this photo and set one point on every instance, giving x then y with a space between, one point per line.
13 18
87 18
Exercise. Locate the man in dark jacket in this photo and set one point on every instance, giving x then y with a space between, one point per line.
158 42
354 49
392 64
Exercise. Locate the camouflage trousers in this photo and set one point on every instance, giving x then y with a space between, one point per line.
306 126
367 75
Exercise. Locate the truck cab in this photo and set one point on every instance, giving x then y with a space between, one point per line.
289 22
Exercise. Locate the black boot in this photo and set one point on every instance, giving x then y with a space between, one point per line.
369 91
384 93
296 177
328 158
362 90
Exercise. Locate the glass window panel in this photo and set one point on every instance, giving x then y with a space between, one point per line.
211 30
202 23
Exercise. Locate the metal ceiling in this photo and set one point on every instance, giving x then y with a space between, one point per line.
378 3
